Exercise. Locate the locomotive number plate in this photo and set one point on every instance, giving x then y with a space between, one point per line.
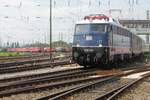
88 50
88 37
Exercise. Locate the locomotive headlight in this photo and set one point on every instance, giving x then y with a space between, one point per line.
78 45
75 54
100 45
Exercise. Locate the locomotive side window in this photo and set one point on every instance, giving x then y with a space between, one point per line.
109 28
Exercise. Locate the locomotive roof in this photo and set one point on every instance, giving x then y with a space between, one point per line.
102 19
97 21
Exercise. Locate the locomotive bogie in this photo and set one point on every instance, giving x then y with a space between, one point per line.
89 56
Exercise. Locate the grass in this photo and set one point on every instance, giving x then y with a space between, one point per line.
12 54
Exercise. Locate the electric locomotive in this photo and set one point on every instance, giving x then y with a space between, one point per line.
99 39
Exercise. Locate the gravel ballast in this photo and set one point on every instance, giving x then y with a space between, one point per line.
140 91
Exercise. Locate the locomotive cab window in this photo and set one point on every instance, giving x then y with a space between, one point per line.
98 28
82 28
90 28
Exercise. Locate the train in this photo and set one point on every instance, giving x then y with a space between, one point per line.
101 40
38 49
25 49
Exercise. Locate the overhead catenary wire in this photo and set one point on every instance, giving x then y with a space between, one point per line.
76 9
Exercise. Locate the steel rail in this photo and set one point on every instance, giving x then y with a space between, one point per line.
83 73
69 92
59 96
45 74
121 90
33 61
22 57
52 85
17 78
33 67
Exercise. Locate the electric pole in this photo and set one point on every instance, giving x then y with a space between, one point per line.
50 30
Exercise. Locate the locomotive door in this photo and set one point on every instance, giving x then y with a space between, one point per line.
110 42
110 36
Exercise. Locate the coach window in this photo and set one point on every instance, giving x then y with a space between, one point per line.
125 34
117 30
148 25
135 25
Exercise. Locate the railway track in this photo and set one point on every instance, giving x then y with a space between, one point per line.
11 59
43 74
59 83
26 77
14 69
113 94
97 90
45 82
21 57
33 61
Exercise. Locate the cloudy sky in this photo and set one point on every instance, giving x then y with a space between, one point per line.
27 21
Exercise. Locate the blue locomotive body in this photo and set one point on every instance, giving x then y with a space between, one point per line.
89 35
97 41
90 42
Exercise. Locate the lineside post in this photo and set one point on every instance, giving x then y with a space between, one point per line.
50 30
